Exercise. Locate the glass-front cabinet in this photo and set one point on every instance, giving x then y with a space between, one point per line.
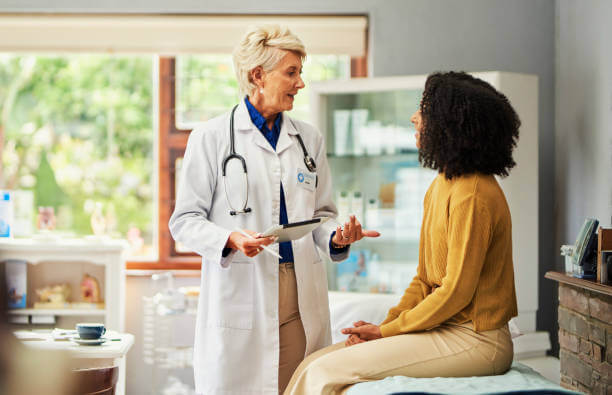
376 175
371 149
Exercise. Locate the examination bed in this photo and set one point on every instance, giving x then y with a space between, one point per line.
347 308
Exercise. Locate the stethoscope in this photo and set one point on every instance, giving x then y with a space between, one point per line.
308 161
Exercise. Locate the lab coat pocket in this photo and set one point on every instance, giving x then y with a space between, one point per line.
310 203
230 302
305 200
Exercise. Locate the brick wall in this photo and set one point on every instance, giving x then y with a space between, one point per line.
585 339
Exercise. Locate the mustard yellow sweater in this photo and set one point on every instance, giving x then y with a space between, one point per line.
465 260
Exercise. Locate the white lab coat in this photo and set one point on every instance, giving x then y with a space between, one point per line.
237 340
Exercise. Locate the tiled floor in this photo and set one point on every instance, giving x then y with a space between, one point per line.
547 366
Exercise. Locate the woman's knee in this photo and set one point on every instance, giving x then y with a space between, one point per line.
323 363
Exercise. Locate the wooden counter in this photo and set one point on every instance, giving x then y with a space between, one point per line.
580 283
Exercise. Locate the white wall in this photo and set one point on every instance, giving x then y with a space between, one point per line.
583 150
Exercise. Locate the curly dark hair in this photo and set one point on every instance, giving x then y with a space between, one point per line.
468 126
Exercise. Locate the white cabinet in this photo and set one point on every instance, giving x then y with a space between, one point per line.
63 260
370 143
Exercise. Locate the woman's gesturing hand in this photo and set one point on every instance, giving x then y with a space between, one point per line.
351 233
362 332
249 247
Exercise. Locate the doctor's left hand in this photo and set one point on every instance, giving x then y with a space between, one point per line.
351 233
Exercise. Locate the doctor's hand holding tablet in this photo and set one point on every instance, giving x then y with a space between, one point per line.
248 241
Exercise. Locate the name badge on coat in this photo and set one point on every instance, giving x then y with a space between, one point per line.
306 179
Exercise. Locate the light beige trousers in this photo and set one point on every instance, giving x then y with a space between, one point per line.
291 331
450 350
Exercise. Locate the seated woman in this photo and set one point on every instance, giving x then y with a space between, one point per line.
452 320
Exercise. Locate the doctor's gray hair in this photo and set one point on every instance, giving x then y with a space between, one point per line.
264 46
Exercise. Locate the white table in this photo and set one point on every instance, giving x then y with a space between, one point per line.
110 353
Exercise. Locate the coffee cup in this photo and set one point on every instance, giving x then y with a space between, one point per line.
89 330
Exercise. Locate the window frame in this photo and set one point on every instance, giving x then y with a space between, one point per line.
172 144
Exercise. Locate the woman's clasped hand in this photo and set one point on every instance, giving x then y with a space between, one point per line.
361 332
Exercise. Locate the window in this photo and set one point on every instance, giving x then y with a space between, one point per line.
78 137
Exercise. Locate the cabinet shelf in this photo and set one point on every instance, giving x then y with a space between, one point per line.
63 312
35 251
58 259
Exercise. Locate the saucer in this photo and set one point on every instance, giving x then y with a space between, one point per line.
88 342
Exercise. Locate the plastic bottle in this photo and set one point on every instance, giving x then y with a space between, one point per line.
6 214
371 214
342 119
357 205
98 221
343 206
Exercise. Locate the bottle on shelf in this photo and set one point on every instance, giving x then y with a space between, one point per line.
344 206
342 119
567 251
371 137
359 117
6 214
98 221
357 205
371 214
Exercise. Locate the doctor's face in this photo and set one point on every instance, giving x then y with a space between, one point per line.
281 84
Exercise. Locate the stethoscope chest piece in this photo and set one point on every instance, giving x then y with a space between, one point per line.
310 164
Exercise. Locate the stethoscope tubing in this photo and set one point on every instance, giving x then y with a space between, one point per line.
308 161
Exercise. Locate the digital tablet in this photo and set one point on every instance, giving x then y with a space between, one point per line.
295 230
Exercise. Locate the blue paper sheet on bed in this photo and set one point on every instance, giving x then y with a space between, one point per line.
519 379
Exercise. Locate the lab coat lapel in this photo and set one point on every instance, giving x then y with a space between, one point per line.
260 140
243 124
285 139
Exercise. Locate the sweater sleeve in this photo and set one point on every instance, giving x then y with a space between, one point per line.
413 295
469 230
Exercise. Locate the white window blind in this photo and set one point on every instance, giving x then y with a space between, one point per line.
169 35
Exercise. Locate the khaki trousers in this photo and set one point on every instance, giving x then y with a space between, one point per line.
291 331
450 350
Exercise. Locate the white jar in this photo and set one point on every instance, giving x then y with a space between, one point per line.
567 251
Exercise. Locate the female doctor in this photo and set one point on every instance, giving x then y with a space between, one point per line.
246 170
